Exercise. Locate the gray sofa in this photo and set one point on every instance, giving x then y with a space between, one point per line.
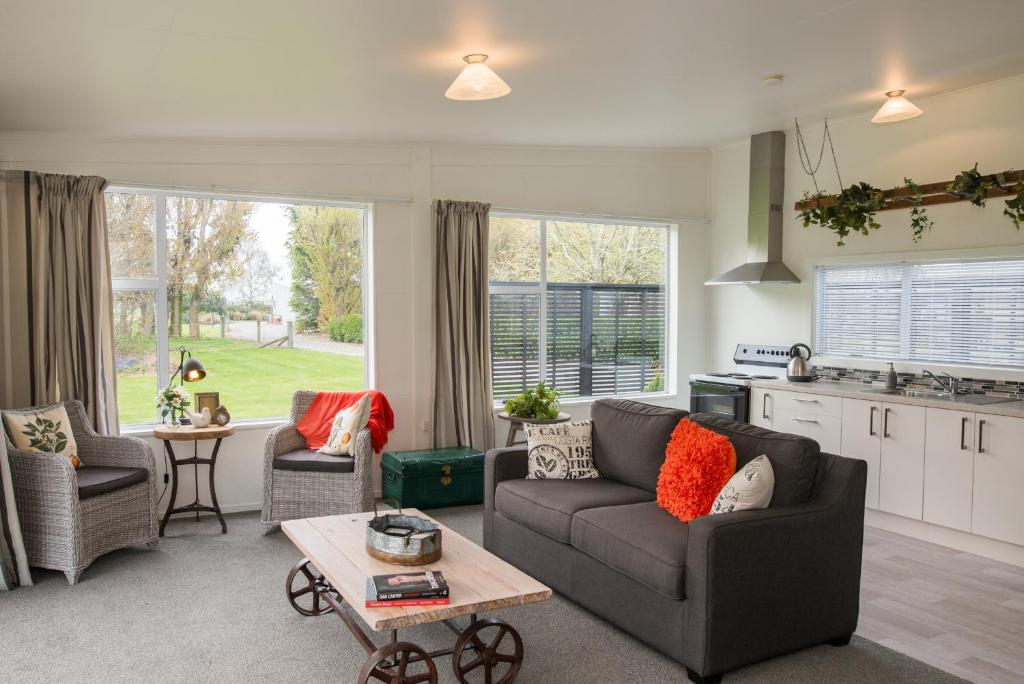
718 593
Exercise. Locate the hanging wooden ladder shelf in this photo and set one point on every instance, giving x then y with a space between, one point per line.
932 193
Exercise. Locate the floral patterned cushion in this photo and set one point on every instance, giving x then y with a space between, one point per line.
46 430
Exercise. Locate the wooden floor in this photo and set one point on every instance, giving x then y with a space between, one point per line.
961 613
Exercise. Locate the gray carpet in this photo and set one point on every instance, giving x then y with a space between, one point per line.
207 607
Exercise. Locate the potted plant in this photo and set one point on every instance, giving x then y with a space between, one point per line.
1015 207
920 222
172 401
540 402
972 186
853 210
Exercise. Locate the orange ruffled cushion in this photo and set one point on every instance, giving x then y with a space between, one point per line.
698 463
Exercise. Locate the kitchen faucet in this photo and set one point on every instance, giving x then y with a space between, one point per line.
951 385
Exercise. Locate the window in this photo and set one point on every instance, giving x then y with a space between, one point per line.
956 312
579 304
267 295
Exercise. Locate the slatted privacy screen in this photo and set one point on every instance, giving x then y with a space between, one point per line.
599 339
969 312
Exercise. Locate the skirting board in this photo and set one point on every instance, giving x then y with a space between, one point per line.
954 539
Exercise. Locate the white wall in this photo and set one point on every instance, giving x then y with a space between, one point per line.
401 180
983 124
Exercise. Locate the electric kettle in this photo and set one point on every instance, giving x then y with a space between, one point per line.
798 369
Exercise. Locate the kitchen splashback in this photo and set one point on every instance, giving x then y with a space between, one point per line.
1002 388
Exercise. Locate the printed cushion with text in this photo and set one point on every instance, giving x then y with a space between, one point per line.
562 451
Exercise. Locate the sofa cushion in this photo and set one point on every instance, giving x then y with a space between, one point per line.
547 506
629 440
97 480
311 461
642 541
794 459
698 463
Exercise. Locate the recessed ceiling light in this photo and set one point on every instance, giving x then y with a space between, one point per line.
477 81
896 108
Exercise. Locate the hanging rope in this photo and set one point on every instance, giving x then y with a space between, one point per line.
805 157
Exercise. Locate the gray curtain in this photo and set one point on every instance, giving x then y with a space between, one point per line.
462 367
56 301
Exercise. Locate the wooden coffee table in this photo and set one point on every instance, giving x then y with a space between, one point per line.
334 573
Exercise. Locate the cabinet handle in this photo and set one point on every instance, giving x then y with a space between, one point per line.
981 432
764 407
885 423
871 421
963 433
806 401
804 420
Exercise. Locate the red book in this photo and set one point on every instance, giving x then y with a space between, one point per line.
408 602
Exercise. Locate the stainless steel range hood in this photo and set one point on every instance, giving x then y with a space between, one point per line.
764 223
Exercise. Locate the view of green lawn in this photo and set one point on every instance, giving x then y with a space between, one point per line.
252 382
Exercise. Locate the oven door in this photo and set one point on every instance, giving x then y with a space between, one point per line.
726 401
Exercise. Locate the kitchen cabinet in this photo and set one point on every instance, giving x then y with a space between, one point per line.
949 468
998 507
825 430
761 407
862 439
901 467
805 402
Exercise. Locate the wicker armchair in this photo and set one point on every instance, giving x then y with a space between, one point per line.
67 527
298 483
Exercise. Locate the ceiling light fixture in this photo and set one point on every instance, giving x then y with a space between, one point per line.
896 108
477 82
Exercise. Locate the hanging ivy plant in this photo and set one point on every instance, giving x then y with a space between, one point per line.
972 186
853 210
920 222
1015 207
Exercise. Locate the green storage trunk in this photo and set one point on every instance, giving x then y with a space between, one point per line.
433 477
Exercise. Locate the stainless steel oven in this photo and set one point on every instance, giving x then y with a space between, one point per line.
720 399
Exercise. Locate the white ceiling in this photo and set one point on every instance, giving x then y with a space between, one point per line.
668 73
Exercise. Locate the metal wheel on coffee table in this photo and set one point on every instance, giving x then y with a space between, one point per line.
304 586
488 651
399 662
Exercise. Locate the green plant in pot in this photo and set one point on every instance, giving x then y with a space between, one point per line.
539 402
920 222
852 211
1015 207
973 186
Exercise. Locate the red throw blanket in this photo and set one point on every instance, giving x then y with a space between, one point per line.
315 426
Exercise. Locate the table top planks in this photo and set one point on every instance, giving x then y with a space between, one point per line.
188 433
478 580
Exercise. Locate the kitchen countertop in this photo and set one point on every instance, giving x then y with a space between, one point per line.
851 390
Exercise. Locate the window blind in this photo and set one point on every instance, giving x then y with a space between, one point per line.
957 312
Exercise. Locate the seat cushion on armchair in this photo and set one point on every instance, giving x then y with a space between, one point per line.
629 440
97 480
311 461
547 506
794 459
642 541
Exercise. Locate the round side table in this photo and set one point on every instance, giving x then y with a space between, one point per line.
195 435
515 424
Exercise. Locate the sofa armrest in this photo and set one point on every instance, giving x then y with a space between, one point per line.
500 464
42 481
769 581
107 450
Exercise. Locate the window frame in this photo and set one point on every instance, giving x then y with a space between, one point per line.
158 284
904 261
541 290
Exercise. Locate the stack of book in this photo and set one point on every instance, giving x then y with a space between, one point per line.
427 588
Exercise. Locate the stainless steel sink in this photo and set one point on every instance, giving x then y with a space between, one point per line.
912 393
972 399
